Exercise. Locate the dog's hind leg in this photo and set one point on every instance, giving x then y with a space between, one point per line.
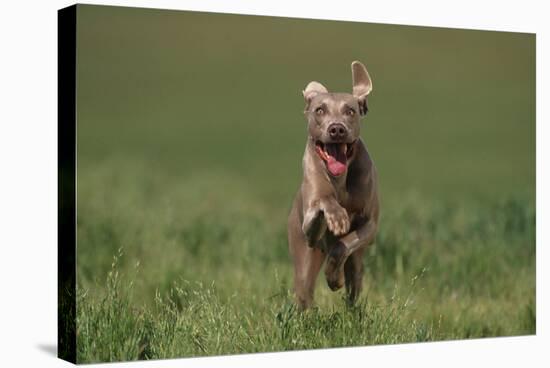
307 263
306 270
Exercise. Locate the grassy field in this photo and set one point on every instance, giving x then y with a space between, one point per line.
189 147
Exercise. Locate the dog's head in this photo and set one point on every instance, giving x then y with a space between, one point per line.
334 118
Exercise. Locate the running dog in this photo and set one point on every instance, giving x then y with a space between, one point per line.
335 213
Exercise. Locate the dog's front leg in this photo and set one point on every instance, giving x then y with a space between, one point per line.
343 248
363 236
314 225
322 214
336 216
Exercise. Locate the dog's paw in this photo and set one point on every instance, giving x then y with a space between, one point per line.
337 220
335 281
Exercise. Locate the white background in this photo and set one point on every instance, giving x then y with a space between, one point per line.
28 180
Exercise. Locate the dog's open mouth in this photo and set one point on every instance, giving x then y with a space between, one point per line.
335 155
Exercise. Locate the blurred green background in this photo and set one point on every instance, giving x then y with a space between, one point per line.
190 138
452 111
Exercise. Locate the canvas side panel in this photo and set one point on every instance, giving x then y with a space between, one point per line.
66 254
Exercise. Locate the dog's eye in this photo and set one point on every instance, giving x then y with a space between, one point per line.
350 112
319 111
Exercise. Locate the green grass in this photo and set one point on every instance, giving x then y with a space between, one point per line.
189 147
175 268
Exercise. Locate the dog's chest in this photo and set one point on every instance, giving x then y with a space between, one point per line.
348 201
351 196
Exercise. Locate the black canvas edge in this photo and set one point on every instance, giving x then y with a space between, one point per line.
66 185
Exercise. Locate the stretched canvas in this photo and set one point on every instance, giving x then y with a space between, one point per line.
181 137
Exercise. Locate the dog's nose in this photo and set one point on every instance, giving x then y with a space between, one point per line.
337 131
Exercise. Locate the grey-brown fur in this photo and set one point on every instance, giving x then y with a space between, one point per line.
334 217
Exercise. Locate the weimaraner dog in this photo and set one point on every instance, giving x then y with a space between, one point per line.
335 212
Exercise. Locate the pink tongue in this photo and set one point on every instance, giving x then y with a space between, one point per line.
335 167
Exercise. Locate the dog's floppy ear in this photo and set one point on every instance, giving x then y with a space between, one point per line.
312 90
362 85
